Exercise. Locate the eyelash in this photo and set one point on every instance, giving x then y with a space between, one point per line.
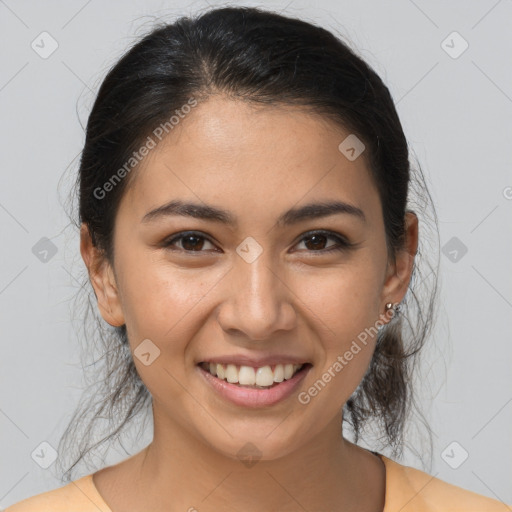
342 244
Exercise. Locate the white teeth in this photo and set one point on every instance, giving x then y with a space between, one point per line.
278 373
264 376
231 373
249 376
288 371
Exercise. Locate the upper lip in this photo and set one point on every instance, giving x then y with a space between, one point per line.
240 360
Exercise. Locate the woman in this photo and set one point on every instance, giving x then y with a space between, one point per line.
243 209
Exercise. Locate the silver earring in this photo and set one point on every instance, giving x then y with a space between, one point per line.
395 307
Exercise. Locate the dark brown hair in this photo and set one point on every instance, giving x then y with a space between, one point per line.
270 59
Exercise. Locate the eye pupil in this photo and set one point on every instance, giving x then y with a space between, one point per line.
195 245
316 244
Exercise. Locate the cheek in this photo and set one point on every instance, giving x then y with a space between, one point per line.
164 305
345 311
160 301
345 304
345 300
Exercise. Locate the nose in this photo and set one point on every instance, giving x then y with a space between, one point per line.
258 300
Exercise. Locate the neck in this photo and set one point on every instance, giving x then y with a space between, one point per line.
179 472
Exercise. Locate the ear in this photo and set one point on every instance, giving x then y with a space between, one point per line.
102 279
399 272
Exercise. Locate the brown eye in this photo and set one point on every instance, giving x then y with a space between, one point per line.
316 241
190 242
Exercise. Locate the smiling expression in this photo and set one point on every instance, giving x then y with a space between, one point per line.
221 256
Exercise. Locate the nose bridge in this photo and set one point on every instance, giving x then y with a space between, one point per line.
259 282
258 302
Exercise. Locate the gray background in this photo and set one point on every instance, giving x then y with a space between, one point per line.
456 113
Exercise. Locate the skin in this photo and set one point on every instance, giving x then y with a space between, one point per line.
256 162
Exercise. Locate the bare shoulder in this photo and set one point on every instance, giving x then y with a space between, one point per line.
426 492
78 495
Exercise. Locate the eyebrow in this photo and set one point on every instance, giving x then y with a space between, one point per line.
288 218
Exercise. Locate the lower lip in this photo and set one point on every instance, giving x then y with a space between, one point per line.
251 397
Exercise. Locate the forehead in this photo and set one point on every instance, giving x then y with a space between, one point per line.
251 159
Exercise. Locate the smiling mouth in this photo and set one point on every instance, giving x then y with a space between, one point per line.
264 377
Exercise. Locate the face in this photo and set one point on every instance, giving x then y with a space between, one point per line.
250 286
